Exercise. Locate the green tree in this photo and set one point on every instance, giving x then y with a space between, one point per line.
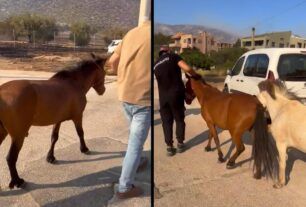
160 39
197 59
81 32
114 33
237 43
31 24
227 57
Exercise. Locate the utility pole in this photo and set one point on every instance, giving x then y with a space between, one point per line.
144 11
253 34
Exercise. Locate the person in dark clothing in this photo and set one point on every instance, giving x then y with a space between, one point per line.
167 70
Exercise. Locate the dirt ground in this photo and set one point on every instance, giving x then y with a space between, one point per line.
195 178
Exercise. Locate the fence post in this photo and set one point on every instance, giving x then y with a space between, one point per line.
14 38
34 39
74 41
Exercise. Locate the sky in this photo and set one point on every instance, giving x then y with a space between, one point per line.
235 16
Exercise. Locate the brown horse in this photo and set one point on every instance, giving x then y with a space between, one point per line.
24 103
237 113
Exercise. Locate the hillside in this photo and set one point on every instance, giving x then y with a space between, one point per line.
194 29
101 13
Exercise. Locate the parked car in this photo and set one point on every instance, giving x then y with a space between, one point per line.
286 64
112 46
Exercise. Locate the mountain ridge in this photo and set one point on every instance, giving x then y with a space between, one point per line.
220 35
99 13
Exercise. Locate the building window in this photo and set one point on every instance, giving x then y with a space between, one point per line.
281 45
194 40
281 39
292 46
299 45
259 43
272 44
189 40
200 41
267 43
247 43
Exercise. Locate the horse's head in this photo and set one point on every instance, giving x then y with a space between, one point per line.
189 93
99 77
266 90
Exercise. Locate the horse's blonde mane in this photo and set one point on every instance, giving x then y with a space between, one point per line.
280 89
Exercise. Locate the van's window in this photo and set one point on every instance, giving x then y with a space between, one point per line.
256 65
236 69
292 67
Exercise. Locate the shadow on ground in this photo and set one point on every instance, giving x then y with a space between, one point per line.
77 180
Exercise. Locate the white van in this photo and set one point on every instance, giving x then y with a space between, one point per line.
287 64
112 46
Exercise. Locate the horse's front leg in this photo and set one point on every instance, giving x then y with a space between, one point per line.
54 138
213 131
282 150
79 128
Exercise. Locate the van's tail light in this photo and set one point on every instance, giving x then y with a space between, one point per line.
271 76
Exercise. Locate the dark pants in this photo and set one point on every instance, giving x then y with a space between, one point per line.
170 110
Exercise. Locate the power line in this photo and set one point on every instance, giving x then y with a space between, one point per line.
265 20
280 13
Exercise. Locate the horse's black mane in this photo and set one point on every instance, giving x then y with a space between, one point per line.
69 72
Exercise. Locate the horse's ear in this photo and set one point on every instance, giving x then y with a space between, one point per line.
101 60
267 86
93 55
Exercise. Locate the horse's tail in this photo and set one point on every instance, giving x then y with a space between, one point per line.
264 149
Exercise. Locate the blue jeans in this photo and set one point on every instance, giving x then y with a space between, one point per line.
139 122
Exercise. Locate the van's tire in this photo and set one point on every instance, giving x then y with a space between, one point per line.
225 89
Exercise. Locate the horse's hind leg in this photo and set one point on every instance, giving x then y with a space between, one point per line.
79 128
54 138
3 133
208 146
237 138
12 159
213 131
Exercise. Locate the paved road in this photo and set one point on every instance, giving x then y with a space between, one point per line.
77 179
194 178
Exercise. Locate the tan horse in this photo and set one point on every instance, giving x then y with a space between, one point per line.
288 121
237 113
24 103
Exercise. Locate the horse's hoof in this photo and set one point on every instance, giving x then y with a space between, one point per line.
19 183
221 160
278 185
85 150
207 148
257 176
230 165
51 159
